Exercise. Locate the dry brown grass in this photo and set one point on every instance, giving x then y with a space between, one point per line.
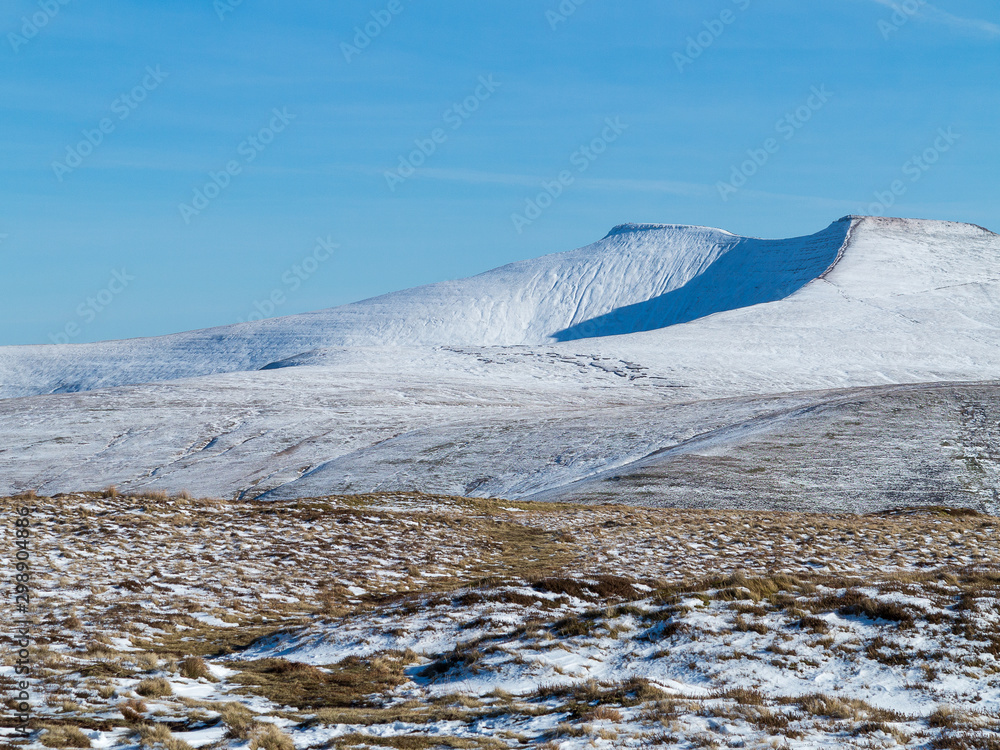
239 720
160 736
133 710
63 736
956 741
946 717
821 705
744 696
154 687
146 661
195 668
347 684
159 495
483 556
603 713
418 742
206 640
745 626
853 602
269 737
814 624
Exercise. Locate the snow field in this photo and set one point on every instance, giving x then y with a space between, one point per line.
460 388
384 620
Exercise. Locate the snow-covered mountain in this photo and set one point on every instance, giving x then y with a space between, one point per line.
638 277
564 372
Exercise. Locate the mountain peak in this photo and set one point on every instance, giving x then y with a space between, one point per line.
630 227
639 278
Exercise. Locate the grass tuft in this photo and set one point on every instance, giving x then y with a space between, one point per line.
154 687
63 736
159 736
269 737
195 668
349 683
239 720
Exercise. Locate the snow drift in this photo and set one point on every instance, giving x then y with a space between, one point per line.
743 272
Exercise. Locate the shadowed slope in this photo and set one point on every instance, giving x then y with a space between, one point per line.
749 272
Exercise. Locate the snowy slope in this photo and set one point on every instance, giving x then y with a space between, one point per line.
908 301
905 302
638 277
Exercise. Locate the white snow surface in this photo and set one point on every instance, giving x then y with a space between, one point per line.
528 302
515 381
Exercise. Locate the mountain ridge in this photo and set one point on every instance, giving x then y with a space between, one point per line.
904 303
527 302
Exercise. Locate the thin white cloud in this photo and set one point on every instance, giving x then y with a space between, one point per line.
647 186
534 181
968 24
932 13
671 187
477 177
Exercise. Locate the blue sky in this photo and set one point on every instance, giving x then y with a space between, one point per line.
452 138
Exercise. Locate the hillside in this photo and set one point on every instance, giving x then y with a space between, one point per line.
636 278
416 621
820 398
